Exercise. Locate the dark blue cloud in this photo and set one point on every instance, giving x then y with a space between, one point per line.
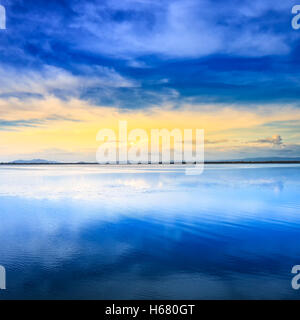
154 52
13 125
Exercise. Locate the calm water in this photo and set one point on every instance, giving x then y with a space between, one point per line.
81 232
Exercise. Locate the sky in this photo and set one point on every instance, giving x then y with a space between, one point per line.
70 68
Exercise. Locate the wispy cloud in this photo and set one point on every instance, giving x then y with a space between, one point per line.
56 81
13 125
189 28
275 140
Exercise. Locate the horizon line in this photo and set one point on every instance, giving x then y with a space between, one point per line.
160 163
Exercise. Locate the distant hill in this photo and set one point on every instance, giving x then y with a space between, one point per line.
267 159
245 160
33 161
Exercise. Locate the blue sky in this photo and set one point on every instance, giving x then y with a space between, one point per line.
136 55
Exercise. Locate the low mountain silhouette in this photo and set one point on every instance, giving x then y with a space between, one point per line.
267 159
34 161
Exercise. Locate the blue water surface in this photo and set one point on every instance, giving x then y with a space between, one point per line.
149 232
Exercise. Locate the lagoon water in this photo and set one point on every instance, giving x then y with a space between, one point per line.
149 232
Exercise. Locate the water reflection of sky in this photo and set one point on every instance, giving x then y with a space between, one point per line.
138 232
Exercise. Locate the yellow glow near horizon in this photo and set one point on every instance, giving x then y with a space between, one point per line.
72 126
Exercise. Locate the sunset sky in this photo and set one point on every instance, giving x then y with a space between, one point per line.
69 68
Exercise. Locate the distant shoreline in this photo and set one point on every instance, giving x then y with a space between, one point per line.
149 164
